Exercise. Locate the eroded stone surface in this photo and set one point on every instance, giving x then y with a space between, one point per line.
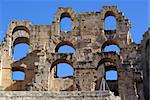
89 38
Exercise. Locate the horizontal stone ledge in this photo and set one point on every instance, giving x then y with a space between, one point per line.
57 94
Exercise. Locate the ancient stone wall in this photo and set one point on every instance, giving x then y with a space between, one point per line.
89 38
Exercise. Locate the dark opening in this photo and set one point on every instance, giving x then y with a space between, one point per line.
109 71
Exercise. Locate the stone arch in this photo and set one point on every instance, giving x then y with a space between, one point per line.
64 70
64 43
54 79
20 35
103 66
110 42
64 12
109 11
63 74
21 40
66 24
20 32
23 43
24 28
113 79
61 13
121 22
60 61
105 60
110 23
19 25
111 67
68 16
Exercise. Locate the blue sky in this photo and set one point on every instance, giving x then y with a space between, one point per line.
43 11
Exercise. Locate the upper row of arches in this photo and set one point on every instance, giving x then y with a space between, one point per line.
21 49
66 23
109 24
109 15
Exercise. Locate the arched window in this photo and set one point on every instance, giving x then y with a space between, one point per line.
64 70
20 39
20 28
20 50
107 68
66 49
110 23
18 75
111 75
112 47
66 24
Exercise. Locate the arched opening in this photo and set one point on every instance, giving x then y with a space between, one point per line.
107 68
66 24
18 28
61 69
111 75
64 70
20 46
112 47
65 47
110 23
18 75
20 50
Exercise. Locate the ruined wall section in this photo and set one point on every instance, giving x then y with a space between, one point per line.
145 62
89 38
15 30
36 36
